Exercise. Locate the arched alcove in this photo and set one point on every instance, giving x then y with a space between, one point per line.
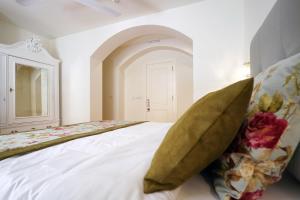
118 91
108 47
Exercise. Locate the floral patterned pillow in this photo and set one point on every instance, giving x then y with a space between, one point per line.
268 137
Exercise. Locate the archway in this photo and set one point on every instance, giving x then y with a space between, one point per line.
108 47
114 80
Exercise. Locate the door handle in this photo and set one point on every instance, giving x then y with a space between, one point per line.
148 105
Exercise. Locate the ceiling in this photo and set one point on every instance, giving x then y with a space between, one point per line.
55 18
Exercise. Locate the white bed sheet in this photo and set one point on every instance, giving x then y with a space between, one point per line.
110 166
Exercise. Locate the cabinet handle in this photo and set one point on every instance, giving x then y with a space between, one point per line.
11 90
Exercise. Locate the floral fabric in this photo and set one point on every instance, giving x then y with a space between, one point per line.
27 139
268 137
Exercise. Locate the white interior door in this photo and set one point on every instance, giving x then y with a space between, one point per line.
160 105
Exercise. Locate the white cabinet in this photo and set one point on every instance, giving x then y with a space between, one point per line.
29 88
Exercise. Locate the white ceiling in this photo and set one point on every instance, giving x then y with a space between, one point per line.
55 18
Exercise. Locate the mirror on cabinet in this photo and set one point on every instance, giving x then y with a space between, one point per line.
31 90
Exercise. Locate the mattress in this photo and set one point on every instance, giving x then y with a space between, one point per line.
110 166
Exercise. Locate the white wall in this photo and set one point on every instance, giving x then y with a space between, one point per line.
184 83
216 28
255 13
136 80
10 33
221 32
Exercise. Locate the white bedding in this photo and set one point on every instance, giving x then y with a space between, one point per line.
110 166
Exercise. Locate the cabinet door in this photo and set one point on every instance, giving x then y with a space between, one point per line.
31 91
3 63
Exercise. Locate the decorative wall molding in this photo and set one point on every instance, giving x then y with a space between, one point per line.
30 49
34 45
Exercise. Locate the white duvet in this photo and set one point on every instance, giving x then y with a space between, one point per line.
110 166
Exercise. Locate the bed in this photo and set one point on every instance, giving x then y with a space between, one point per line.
111 166
105 167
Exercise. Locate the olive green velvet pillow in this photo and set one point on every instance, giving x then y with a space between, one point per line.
199 137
